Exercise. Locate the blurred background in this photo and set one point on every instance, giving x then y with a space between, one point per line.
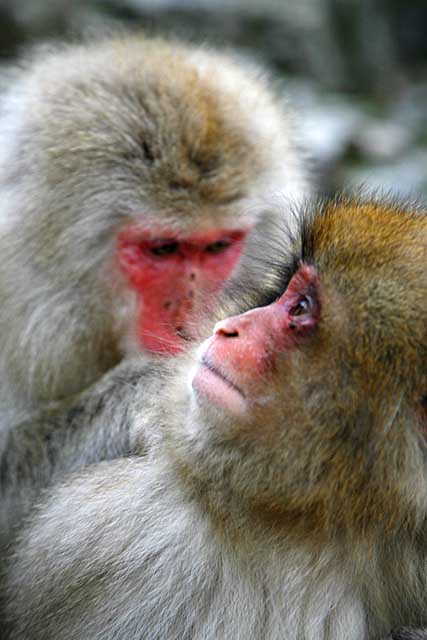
355 70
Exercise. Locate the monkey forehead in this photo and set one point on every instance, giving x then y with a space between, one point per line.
373 254
150 230
163 111
351 237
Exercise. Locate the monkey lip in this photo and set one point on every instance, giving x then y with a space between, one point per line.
211 383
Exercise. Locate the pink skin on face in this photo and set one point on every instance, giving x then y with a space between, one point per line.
243 349
173 276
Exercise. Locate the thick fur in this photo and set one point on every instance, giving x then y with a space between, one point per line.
69 435
97 424
92 137
123 553
305 520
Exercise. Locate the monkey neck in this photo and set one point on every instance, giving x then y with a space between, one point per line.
220 475
313 524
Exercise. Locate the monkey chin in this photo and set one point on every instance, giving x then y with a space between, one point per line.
211 385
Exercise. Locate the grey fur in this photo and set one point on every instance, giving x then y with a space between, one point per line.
206 532
69 435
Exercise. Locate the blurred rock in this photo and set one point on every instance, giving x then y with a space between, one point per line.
350 147
354 45
356 69
405 177
383 140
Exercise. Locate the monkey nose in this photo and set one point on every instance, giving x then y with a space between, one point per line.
227 328
243 325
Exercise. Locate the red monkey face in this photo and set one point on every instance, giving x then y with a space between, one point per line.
173 277
236 362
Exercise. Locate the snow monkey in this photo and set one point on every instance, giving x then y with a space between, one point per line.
128 170
279 485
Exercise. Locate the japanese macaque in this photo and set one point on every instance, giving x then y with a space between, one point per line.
129 169
280 486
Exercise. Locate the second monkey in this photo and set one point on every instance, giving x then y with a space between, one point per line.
127 169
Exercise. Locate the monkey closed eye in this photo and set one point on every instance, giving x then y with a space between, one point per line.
165 249
218 247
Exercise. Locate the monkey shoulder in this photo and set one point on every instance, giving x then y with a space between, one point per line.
136 557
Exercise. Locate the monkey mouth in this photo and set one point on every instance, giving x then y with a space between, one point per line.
212 384
205 362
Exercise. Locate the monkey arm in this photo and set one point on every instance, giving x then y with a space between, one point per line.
90 427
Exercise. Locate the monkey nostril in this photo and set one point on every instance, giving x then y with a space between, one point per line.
226 328
192 276
227 334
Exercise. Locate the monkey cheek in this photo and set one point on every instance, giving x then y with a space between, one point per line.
170 311
161 330
165 319
161 342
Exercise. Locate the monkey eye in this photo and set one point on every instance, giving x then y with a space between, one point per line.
302 307
166 249
218 246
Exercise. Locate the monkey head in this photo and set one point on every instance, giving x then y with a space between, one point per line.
129 170
311 406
